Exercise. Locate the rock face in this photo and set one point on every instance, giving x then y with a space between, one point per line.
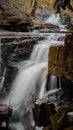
41 114
16 49
13 52
12 19
50 118
61 59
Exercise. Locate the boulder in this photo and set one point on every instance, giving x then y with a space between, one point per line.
42 113
58 120
5 114
61 59
54 117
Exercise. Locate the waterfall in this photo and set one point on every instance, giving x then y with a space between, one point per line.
53 82
54 19
31 75
58 20
29 83
40 52
2 80
41 95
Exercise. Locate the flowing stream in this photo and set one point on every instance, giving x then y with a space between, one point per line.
29 84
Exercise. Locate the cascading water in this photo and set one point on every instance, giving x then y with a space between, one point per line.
58 20
30 82
2 80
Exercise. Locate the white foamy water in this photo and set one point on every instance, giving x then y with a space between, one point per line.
2 80
40 51
54 19
57 20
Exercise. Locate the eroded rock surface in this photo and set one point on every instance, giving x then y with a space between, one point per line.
61 59
53 117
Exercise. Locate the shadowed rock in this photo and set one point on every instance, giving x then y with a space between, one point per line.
5 114
42 113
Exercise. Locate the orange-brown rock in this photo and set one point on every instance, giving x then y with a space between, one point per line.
47 128
42 113
56 60
61 59
69 128
11 18
45 27
58 118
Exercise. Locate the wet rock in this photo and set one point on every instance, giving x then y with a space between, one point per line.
67 86
68 56
47 128
42 113
61 59
5 114
44 27
69 128
56 60
10 75
45 115
59 119
54 117
16 49
70 27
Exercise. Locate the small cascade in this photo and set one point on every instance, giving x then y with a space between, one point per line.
51 93
24 85
58 20
42 91
54 19
2 80
40 51
53 82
